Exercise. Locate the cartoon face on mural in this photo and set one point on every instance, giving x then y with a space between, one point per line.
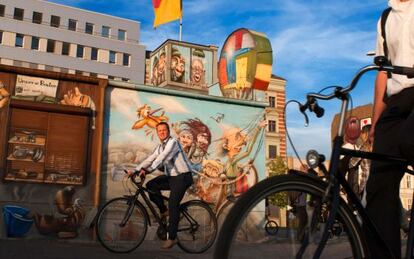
4 95
154 75
198 72
180 56
161 67
148 118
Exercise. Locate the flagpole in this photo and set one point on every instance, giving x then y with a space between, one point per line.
181 28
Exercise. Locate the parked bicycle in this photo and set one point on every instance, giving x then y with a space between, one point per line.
122 223
325 194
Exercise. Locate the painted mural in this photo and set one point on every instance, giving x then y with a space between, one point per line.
201 64
245 64
180 64
224 146
158 67
4 95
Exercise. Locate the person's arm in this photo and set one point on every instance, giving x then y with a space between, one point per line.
380 85
148 161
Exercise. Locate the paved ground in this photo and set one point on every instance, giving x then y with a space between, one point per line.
61 249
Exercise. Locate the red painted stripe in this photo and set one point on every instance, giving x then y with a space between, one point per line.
239 39
156 3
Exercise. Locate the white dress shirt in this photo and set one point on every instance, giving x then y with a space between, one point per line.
169 155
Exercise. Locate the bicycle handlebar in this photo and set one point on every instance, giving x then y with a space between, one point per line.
133 176
381 63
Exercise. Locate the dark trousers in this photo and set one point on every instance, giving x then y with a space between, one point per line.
178 185
394 135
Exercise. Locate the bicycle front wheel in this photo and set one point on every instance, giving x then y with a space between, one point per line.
121 225
301 215
197 228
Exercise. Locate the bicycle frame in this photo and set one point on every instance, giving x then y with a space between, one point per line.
336 179
142 191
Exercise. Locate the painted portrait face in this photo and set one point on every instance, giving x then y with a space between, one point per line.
186 138
202 139
161 64
197 71
234 143
211 170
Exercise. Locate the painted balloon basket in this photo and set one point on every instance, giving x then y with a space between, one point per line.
16 220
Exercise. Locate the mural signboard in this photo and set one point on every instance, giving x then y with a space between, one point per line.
245 64
225 148
36 88
183 65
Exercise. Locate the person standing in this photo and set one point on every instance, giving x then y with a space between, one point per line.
169 158
392 126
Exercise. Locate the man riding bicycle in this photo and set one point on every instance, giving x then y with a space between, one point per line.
169 158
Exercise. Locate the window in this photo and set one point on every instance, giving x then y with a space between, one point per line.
408 181
272 126
65 48
50 46
18 14
106 31
121 34
111 77
272 101
54 21
112 57
35 43
78 72
79 51
89 28
19 40
37 17
94 54
272 151
125 79
125 60
2 8
72 25
1 37
93 74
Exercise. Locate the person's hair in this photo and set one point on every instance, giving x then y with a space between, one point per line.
163 123
198 127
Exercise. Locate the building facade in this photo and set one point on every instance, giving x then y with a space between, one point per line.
48 36
275 134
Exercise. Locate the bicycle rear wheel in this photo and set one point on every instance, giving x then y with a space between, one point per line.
300 226
121 225
197 228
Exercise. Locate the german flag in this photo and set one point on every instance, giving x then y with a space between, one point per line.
166 11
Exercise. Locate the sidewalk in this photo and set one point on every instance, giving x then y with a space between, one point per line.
60 249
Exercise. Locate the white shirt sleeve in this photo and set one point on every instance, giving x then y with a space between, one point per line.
148 161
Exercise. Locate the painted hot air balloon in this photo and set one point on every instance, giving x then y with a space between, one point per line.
245 64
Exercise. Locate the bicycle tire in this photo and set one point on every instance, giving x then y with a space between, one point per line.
197 228
121 239
289 183
271 227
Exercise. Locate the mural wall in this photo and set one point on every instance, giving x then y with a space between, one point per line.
223 141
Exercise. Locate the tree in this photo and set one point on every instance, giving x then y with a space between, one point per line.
277 167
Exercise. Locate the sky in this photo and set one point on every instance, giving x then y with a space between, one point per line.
316 43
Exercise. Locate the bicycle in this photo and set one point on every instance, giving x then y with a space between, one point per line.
322 198
122 223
